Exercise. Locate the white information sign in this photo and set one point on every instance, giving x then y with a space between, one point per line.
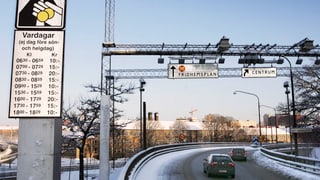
192 71
36 80
259 72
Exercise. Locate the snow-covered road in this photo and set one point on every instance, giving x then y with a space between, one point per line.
158 167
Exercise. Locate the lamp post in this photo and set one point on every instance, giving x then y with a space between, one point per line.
275 121
295 136
305 45
286 85
142 83
252 94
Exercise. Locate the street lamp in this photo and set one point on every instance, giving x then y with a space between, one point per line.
235 92
142 83
295 136
286 85
275 121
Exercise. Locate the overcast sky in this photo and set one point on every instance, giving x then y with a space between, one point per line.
173 22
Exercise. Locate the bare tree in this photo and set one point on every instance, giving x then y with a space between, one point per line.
152 127
237 133
85 123
178 128
307 87
85 119
217 126
116 95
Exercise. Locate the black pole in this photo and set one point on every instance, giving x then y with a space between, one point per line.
142 83
295 135
289 119
276 123
144 126
271 131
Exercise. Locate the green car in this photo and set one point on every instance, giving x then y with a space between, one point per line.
238 154
219 164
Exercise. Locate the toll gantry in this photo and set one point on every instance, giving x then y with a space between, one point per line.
253 55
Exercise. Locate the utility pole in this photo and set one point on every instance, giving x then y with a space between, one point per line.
104 169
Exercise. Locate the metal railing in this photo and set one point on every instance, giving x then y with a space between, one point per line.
134 165
302 163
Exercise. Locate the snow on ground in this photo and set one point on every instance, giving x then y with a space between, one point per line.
157 167
274 166
315 153
90 174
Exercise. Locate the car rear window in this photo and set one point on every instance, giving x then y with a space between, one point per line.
220 158
238 150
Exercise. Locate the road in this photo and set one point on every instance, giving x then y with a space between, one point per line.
190 168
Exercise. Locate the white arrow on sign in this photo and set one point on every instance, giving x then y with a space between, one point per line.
192 71
259 72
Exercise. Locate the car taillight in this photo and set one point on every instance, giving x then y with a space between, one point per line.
231 153
214 163
245 153
231 164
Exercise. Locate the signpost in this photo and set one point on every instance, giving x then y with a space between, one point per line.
192 71
259 72
36 87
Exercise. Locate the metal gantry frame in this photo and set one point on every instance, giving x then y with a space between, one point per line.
215 52
162 73
296 50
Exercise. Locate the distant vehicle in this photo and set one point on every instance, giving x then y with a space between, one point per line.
219 164
238 154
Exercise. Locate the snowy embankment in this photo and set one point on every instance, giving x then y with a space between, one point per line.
287 171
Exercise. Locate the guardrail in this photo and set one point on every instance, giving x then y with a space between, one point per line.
306 164
136 162
133 166
8 175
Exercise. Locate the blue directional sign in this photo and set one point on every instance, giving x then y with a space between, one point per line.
255 140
